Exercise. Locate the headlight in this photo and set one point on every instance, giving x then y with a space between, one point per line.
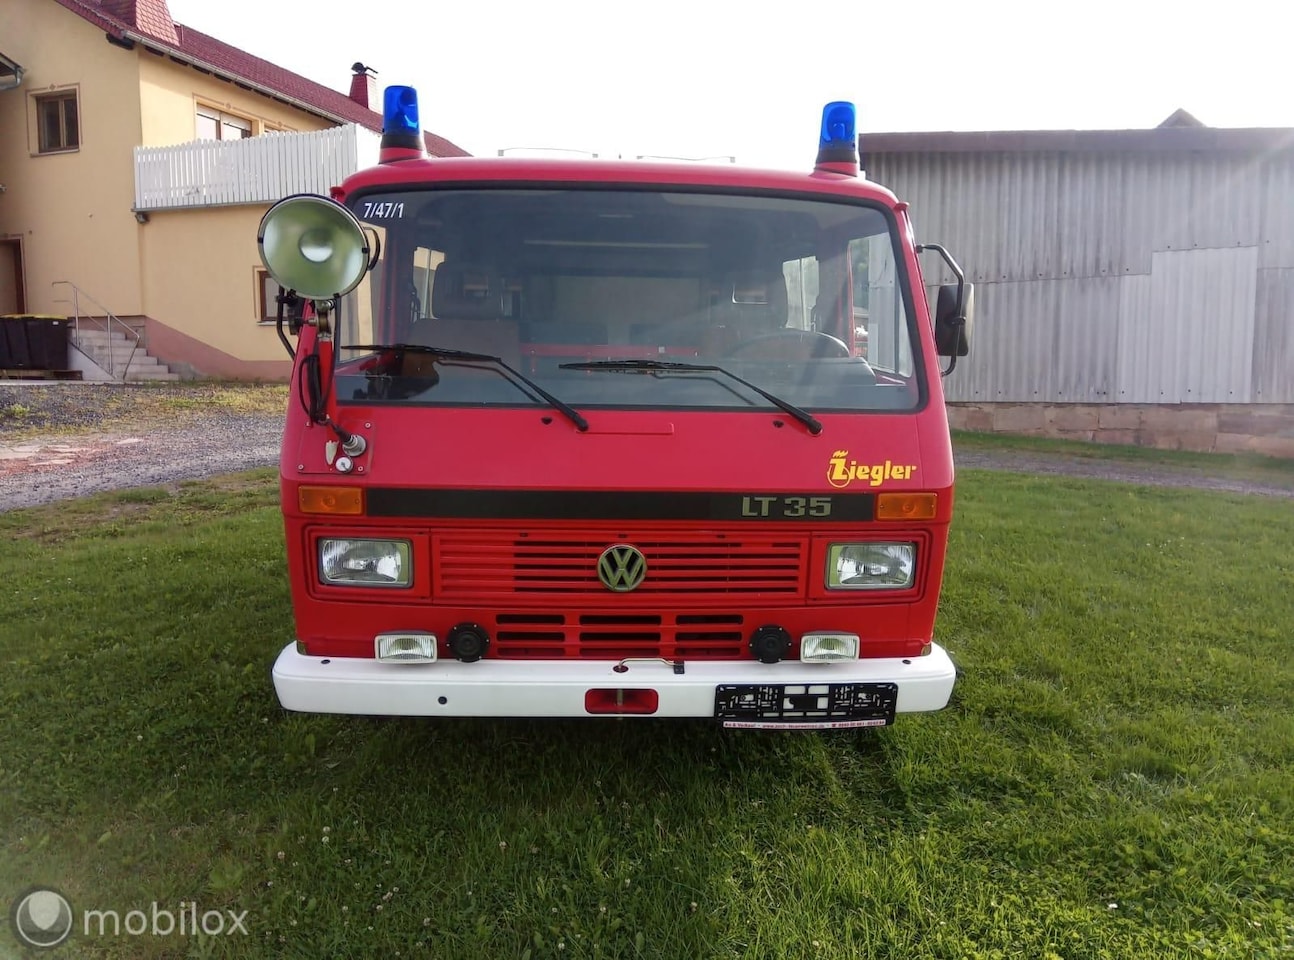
365 563
871 566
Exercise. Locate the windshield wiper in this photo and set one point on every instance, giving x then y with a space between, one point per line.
806 418
466 356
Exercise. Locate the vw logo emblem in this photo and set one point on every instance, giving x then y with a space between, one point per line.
621 568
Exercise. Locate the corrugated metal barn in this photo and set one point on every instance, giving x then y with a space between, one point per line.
1111 267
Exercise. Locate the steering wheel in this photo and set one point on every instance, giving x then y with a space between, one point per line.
791 344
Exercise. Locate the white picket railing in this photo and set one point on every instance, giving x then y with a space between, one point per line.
261 169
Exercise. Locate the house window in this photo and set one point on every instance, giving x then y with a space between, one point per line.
267 291
57 122
213 124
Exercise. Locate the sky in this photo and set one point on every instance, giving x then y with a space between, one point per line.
697 78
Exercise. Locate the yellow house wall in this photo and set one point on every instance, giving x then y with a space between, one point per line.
72 210
193 271
169 94
200 278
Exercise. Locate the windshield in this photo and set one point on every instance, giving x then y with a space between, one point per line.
800 298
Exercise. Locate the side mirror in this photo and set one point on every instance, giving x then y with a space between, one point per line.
953 319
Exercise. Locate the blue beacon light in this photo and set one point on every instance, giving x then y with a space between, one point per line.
400 118
839 140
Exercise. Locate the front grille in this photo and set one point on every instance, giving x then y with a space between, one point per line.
598 636
491 565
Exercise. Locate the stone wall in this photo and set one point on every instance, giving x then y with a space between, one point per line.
1215 427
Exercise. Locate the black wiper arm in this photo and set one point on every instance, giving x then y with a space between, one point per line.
467 356
806 418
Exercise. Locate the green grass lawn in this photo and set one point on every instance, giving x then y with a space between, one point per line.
1115 776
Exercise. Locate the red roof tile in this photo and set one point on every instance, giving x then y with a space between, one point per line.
192 46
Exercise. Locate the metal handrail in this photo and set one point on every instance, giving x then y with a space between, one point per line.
111 318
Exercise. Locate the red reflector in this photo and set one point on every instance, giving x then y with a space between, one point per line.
621 701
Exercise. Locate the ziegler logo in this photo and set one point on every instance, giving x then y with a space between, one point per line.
841 471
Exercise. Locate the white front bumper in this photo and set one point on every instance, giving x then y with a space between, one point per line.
556 688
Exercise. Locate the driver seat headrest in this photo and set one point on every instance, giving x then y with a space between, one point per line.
465 291
753 299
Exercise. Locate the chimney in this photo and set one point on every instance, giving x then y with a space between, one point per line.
151 17
363 86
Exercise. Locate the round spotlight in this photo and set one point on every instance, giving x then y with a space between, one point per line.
314 246
468 642
770 644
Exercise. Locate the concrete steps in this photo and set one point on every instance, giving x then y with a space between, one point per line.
112 351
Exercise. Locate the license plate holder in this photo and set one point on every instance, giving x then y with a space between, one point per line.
814 706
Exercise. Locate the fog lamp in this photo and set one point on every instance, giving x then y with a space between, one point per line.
824 647
413 646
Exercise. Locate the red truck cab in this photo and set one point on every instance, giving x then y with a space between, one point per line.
588 438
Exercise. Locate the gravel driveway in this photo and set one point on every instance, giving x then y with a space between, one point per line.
1154 475
83 443
59 441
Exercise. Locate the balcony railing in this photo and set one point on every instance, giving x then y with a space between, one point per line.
263 169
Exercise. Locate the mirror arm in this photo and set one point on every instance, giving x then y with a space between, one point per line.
960 319
309 389
957 272
952 361
313 372
284 298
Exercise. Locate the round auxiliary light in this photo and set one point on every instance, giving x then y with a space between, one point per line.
314 246
468 642
770 643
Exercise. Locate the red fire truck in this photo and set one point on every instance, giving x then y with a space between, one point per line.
590 438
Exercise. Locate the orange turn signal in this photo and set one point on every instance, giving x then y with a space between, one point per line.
345 501
906 506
